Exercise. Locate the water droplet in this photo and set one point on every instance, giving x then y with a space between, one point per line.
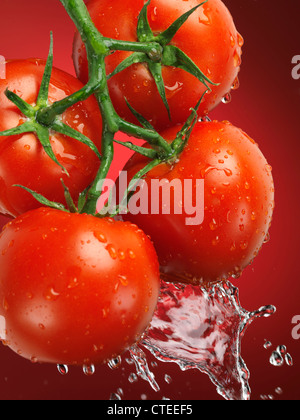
100 236
267 344
276 359
112 251
227 98
105 312
154 13
288 360
115 397
63 369
168 379
228 172
88 370
269 168
236 84
240 40
237 59
132 378
123 280
244 245
267 238
115 363
131 254
215 241
213 225
5 304
51 294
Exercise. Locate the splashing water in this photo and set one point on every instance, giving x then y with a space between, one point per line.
200 329
197 329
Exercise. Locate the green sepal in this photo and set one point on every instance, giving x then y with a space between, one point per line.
184 134
144 32
134 58
156 71
123 206
23 106
166 37
173 56
27 127
149 153
60 127
41 199
145 123
82 199
69 200
42 99
44 137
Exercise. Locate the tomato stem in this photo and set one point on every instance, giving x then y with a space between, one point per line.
150 49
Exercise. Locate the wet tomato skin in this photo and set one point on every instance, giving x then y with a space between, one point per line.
22 158
75 289
238 205
209 38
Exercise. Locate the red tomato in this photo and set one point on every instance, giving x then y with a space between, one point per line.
238 205
22 158
75 289
209 38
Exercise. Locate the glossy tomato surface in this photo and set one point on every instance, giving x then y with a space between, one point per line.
75 289
209 38
238 205
22 158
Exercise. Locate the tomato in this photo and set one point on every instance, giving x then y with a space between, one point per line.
22 158
209 38
75 289
238 205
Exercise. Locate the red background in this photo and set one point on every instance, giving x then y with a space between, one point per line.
267 107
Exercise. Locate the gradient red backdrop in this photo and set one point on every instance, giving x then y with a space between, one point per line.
267 107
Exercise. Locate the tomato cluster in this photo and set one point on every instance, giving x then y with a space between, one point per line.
79 288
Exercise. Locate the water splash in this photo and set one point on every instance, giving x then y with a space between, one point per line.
197 329
200 329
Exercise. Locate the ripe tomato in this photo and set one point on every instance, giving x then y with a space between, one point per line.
209 38
22 158
238 205
75 289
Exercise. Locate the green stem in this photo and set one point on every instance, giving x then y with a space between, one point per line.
145 47
91 37
95 191
134 183
46 116
152 137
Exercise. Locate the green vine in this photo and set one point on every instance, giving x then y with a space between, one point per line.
153 51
